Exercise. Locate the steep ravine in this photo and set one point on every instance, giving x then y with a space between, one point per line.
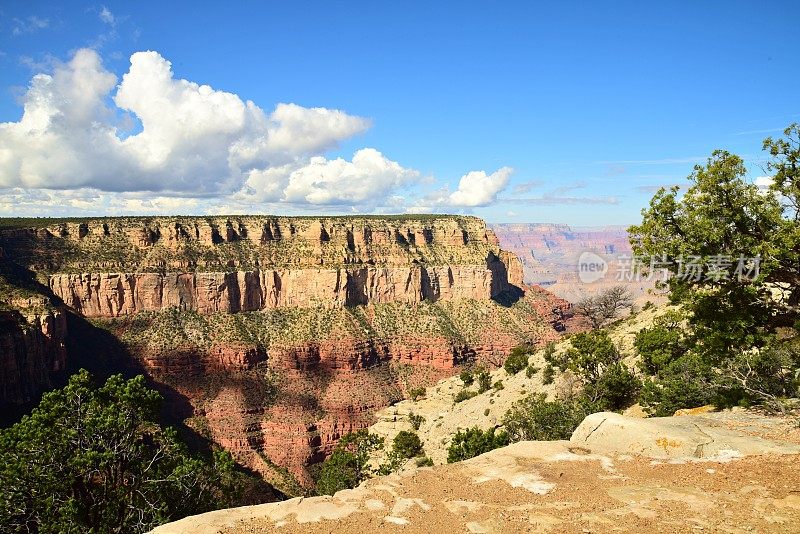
283 334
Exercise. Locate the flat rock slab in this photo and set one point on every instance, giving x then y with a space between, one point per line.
603 479
686 437
531 487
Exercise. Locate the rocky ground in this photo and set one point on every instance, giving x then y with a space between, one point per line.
635 477
442 416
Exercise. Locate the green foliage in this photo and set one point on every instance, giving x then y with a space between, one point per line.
348 465
497 386
661 344
615 389
727 352
484 379
466 377
517 360
407 445
682 383
416 393
722 214
464 394
536 418
531 370
548 375
424 461
416 420
473 442
607 383
766 377
590 354
94 459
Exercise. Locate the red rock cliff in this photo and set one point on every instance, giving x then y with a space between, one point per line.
286 333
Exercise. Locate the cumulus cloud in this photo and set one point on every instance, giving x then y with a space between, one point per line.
192 137
367 177
477 188
149 142
764 182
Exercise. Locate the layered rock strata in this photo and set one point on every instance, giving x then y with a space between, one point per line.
286 333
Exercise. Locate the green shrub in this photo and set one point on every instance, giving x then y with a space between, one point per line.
615 389
466 377
416 420
95 459
348 465
484 379
766 377
463 395
607 383
424 461
661 344
683 383
473 442
548 375
497 386
407 445
416 393
536 418
517 360
531 370
486 412
339 471
591 353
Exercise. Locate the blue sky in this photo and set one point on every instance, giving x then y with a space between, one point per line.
569 112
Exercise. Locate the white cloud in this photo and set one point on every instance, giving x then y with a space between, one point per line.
764 182
107 16
477 188
368 177
54 203
193 137
30 24
153 143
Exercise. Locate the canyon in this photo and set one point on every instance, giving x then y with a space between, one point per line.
549 255
270 336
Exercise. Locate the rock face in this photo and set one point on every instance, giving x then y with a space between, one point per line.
283 334
114 294
31 350
553 486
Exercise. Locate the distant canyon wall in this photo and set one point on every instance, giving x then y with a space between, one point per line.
549 256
